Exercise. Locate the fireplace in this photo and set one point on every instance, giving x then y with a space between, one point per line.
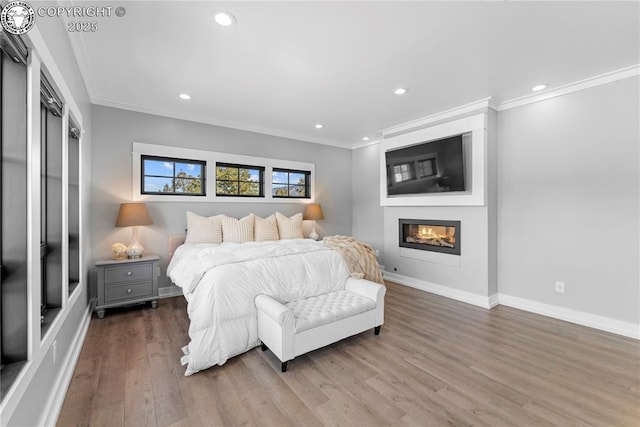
430 235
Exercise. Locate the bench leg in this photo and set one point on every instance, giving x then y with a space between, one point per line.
263 346
376 330
283 367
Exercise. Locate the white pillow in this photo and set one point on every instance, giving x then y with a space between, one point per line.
201 229
237 230
266 228
289 228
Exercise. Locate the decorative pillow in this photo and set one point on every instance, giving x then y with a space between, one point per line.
201 229
289 228
237 230
266 228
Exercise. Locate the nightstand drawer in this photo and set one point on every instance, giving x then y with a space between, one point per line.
127 292
130 273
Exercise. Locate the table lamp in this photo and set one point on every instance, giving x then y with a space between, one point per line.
313 212
133 215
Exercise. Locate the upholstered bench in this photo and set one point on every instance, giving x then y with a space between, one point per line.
298 327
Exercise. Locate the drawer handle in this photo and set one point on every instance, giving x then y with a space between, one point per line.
128 273
129 291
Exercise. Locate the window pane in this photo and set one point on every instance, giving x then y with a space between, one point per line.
158 185
189 169
297 178
226 173
280 190
297 191
158 168
188 186
250 175
280 178
249 189
226 188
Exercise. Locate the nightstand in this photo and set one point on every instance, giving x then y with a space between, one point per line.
127 282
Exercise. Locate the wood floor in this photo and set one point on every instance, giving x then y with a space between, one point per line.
436 362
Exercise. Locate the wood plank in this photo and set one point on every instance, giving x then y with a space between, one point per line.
167 397
437 362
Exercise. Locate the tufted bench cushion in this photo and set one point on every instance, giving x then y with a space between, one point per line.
298 327
317 311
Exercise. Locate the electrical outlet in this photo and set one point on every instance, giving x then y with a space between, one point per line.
54 351
559 286
377 252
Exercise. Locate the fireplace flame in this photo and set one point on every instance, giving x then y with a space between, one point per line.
433 235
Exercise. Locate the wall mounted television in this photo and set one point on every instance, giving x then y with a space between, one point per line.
429 167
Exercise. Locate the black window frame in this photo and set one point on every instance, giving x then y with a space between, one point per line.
260 169
174 160
307 184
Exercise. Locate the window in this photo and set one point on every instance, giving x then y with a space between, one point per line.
290 183
231 177
171 176
73 206
427 168
14 272
239 180
402 172
51 108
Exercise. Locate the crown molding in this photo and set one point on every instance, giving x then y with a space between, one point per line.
587 83
365 144
456 112
107 102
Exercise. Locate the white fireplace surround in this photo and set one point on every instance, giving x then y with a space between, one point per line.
474 155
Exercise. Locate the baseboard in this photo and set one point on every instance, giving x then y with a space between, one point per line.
54 404
607 324
602 323
169 291
445 291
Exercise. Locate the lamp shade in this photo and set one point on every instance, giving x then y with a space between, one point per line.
133 214
313 212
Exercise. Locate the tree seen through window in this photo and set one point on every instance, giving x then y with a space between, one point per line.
163 175
290 183
239 180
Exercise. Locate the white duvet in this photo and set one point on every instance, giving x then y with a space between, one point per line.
220 283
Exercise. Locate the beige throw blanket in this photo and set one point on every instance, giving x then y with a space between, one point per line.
360 257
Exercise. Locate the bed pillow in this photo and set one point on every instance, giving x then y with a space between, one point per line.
289 228
202 229
266 228
237 230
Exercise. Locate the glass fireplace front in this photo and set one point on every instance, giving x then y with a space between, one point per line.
430 235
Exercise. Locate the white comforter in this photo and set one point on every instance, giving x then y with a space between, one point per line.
220 283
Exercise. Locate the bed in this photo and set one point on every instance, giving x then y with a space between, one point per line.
221 280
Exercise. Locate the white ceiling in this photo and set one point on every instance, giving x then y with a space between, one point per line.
286 66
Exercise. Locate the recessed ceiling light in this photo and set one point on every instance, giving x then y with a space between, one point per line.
538 88
365 138
185 96
319 126
400 91
224 18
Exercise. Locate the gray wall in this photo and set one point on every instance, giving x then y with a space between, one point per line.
569 198
41 387
114 130
367 214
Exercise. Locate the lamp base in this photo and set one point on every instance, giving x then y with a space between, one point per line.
313 235
134 250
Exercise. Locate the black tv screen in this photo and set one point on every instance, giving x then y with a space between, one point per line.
429 167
